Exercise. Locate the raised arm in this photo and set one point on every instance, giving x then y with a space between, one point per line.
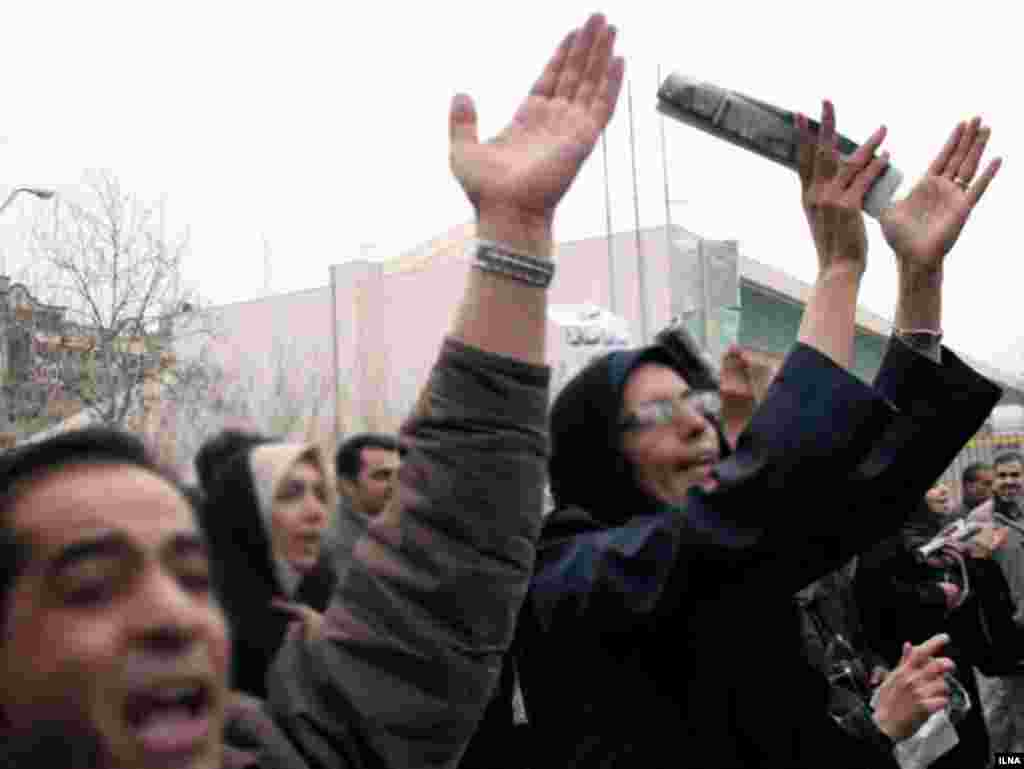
941 402
833 194
412 643
516 180
923 228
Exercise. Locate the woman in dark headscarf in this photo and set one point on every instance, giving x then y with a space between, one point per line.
266 514
660 624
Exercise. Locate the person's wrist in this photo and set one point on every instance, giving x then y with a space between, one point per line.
841 272
522 231
917 278
919 303
887 726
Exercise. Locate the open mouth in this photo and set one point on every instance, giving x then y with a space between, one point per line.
701 471
702 463
171 720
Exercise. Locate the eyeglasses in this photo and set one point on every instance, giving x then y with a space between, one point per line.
692 403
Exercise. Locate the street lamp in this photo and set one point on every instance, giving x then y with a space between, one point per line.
42 194
37 191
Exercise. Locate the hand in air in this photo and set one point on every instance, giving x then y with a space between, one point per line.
834 190
525 170
923 228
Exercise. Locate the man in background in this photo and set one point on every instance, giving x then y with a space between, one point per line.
367 467
977 483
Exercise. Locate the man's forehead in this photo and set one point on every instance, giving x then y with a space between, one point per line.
1013 466
374 456
67 504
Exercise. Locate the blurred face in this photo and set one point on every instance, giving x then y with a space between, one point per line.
371 491
112 628
669 454
980 489
1009 480
300 517
939 500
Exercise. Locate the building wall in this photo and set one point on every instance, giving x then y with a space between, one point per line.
389 318
770 323
273 356
251 334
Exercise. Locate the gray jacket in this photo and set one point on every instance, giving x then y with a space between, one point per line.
413 639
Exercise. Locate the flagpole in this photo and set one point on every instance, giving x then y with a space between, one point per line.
608 225
641 263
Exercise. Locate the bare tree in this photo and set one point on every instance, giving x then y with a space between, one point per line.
107 259
286 394
376 395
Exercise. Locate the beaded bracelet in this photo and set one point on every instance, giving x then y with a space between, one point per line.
499 259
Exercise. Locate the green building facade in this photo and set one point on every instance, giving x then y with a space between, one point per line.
769 322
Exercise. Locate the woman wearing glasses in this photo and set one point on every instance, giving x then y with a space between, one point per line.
659 628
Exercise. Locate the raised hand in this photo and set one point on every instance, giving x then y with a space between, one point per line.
923 228
519 176
939 500
834 190
743 384
914 689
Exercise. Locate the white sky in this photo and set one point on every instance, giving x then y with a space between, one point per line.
323 125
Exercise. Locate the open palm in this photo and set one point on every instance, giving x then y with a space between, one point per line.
530 165
923 228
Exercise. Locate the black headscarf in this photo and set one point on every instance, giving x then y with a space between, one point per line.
243 561
591 480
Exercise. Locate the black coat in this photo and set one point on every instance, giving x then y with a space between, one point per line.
902 601
673 638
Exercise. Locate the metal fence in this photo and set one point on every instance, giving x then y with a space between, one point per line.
981 448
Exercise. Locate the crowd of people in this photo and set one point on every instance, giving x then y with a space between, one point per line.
742 567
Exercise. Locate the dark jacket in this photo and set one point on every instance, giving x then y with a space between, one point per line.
903 602
829 611
417 627
654 634
500 742
835 645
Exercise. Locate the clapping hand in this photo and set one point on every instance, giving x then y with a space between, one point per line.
914 689
834 190
923 228
516 180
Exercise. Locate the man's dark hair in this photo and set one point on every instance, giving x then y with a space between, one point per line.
1007 457
21 466
349 460
970 474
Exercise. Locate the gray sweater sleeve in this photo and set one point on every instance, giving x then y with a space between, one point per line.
415 633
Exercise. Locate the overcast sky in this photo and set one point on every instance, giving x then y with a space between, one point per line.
322 126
